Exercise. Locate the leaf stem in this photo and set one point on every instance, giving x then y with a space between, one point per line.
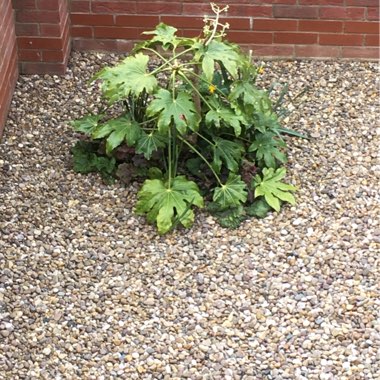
195 89
206 139
170 156
204 80
195 150
167 61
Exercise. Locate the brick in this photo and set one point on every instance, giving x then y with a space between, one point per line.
24 4
371 40
138 21
238 23
81 31
80 6
42 68
272 25
189 33
341 39
113 7
250 37
117 32
196 9
320 26
338 13
23 29
39 43
250 10
30 55
361 27
289 2
44 5
373 14
6 14
295 38
365 3
92 20
182 21
315 51
10 72
31 16
197 22
98 44
284 51
360 52
50 30
298 12
158 7
7 37
53 56
321 2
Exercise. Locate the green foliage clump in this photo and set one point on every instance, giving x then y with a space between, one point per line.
202 130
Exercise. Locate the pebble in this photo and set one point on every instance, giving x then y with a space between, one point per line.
88 290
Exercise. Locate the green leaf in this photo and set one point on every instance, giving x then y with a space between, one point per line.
258 208
228 218
267 147
291 132
194 165
123 129
86 124
131 76
102 130
227 151
273 190
246 92
219 51
149 143
164 203
85 160
155 173
232 193
180 110
165 35
224 116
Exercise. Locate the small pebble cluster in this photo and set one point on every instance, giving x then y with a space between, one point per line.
88 290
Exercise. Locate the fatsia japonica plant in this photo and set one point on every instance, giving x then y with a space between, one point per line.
186 114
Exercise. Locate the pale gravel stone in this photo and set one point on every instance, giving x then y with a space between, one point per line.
89 291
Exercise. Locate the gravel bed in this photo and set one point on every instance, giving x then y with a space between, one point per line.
88 290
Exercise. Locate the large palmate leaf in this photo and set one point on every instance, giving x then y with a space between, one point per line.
227 151
259 208
246 92
219 51
232 193
85 160
267 147
86 124
119 130
180 110
164 34
131 76
164 202
149 143
230 217
224 116
266 120
273 190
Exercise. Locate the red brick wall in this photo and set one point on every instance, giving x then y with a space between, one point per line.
43 35
8 59
272 28
283 28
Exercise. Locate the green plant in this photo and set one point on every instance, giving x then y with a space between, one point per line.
190 108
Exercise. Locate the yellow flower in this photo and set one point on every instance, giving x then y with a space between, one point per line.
260 70
211 88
